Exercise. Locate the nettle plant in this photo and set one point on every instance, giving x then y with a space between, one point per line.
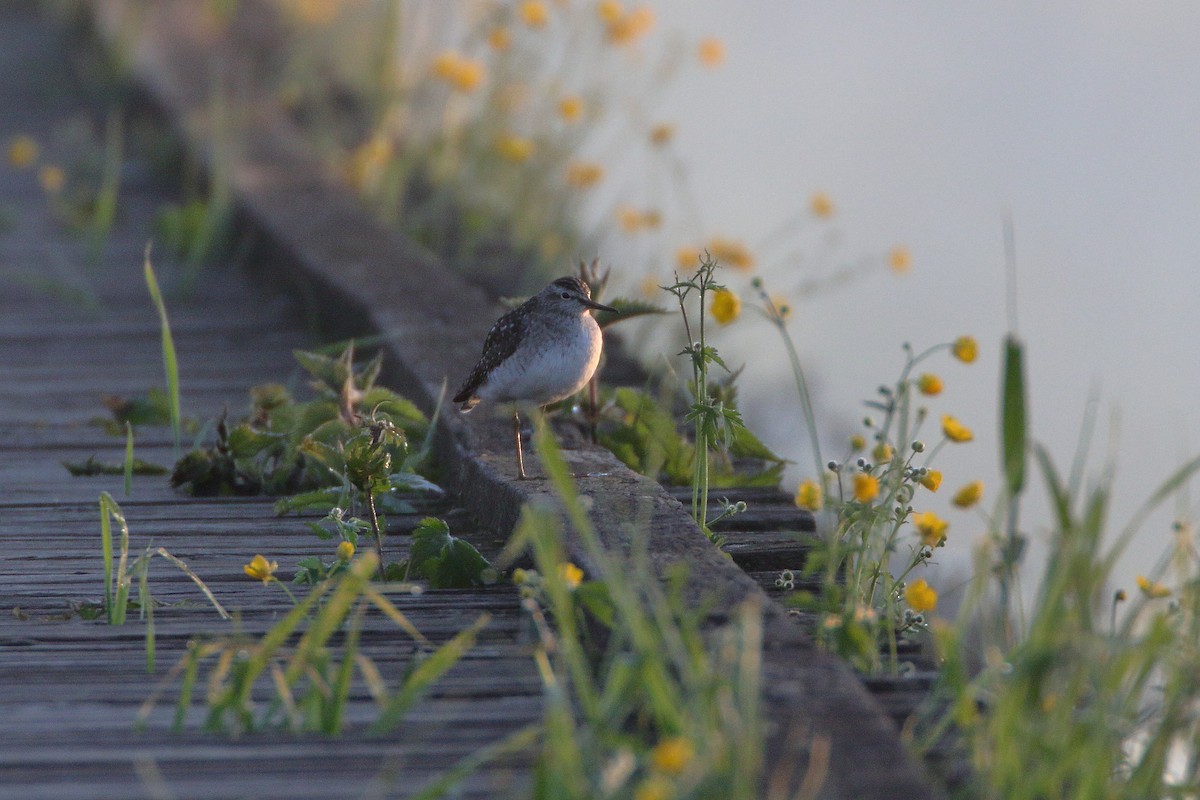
870 595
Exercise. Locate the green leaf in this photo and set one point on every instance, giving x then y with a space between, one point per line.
626 309
1013 424
170 363
446 561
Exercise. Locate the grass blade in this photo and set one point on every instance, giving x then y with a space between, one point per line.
170 363
195 579
426 673
128 459
1013 423
104 212
107 553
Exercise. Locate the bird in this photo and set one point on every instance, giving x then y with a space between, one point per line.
541 352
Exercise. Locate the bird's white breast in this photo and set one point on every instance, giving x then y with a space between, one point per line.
553 361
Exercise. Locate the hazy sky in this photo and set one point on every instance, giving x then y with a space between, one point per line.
925 122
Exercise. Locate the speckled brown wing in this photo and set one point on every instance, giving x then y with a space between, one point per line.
501 342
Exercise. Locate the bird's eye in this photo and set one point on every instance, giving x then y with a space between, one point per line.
566 295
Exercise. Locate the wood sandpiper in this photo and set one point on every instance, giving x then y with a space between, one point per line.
543 351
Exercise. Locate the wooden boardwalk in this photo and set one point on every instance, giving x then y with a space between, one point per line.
70 689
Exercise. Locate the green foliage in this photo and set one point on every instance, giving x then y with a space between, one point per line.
120 572
310 681
643 433
196 231
352 435
640 699
170 362
93 466
446 561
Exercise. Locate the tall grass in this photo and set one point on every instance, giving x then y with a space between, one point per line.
170 362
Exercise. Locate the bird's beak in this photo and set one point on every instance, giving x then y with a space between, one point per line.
599 306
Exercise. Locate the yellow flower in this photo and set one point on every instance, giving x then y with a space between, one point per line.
821 205
662 133
965 349
968 495
731 253
368 161
920 596
882 452
900 260
1152 589
516 149
930 527
650 287
655 787
52 178
955 431
571 575
929 384
628 27
22 151
808 495
866 487
857 443
260 569
583 174
499 39
345 550
932 480
687 257
570 108
610 11
630 219
533 13
711 52
672 755
726 306
461 73
316 12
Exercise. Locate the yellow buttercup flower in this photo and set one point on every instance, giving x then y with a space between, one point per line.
929 384
672 755
516 149
610 11
571 575
584 174
52 178
630 219
857 443
345 551
687 257
656 787
809 495
821 205
711 52
461 73
968 495
731 253
22 151
650 287
260 569
570 108
499 39
627 28
662 133
866 487
955 431
1152 589
882 452
920 596
930 527
965 349
726 306
900 260
533 13
931 480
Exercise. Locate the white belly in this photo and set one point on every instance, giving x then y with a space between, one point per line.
549 365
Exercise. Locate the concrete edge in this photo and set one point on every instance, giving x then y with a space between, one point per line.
368 278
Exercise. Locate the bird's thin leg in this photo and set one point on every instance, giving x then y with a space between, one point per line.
517 437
